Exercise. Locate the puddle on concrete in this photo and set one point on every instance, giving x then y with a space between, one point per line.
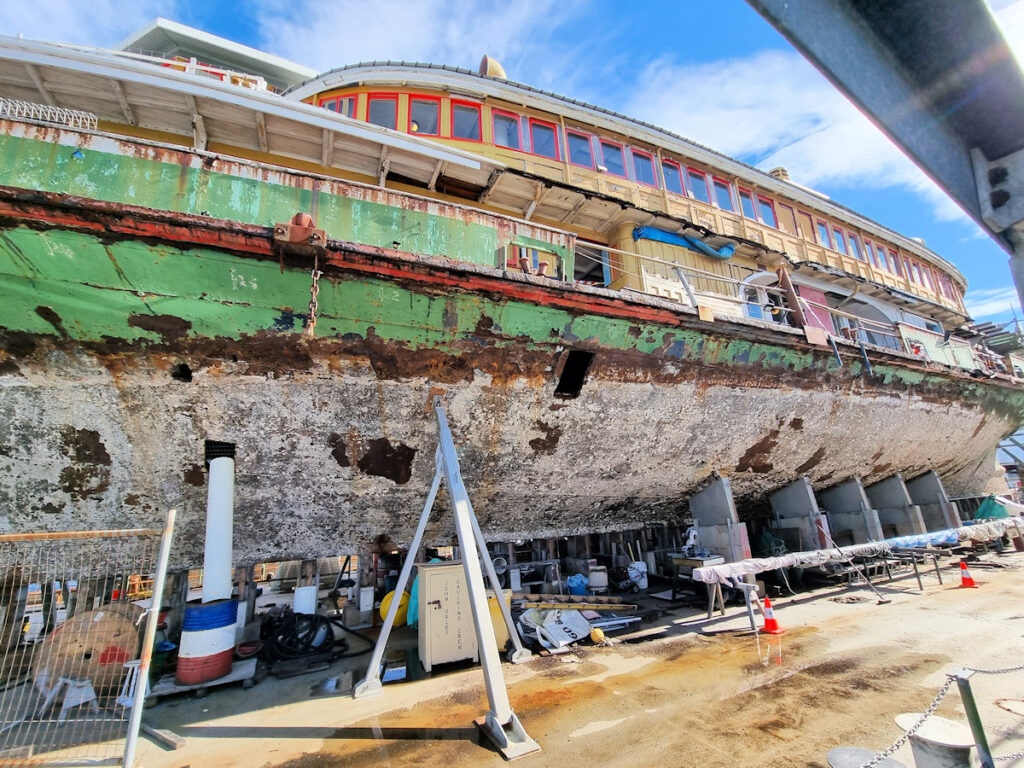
719 701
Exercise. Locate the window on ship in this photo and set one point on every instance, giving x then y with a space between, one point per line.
425 116
465 121
698 185
592 265
581 152
723 194
544 139
673 177
506 129
343 106
383 111
643 168
747 204
611 153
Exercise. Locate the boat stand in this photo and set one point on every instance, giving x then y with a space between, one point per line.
500 724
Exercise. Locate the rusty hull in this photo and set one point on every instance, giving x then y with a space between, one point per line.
335 436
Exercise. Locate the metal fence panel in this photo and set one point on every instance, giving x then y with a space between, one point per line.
71 611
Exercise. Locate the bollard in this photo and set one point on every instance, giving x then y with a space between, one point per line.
939 743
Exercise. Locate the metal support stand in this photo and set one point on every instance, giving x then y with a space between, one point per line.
963 682
500 724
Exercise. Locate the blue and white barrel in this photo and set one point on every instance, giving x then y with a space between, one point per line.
207 642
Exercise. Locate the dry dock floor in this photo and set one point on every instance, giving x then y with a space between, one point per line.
699 694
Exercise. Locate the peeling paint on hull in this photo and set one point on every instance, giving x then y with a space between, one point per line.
335 439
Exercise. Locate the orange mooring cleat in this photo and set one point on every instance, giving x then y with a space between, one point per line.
965 576
771 626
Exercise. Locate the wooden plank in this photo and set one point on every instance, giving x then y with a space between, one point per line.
163 736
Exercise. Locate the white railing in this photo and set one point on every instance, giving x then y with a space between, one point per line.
45 113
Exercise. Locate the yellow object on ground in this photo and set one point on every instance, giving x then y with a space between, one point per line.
403 608
597 635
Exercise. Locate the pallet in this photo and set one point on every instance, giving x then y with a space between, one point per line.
241 671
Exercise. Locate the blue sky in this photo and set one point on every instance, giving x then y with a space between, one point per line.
713 71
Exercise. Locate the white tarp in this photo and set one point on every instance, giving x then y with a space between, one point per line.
982 532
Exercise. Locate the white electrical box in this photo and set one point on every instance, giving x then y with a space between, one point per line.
446 631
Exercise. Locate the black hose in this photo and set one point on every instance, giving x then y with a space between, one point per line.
291 636
370 643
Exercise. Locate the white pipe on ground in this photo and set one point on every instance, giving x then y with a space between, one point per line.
220 508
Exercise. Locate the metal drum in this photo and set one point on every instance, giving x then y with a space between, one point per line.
207 642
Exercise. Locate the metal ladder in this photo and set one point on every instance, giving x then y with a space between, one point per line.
500 725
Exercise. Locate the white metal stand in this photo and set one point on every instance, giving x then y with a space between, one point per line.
500 724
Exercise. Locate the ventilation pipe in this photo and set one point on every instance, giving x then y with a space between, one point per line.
220 508
672 238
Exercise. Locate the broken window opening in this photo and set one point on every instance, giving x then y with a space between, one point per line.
574 374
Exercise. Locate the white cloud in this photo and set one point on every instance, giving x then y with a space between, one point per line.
773 108
992 302
99 23
1010 18
456 32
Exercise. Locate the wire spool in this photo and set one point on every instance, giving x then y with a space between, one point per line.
92 645
207 642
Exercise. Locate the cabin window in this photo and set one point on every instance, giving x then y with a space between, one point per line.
747 204
767 209
673 177
787 218
840 240
823 234
698 185
465 121
643 167
926 277
855 247
383 111
915 274
344 105
906 269
723 195
611 154
581 152
894 263
544 139
880 251
425 116
506 130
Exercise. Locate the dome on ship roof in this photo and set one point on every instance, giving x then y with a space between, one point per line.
492 68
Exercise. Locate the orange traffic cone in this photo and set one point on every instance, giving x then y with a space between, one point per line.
771 626
965 576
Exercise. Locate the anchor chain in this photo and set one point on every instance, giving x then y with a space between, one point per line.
314 305
914 729
1003 671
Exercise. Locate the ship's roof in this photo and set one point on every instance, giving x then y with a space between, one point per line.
163 37
439 75
152 93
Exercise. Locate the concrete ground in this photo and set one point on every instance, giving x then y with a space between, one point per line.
695 693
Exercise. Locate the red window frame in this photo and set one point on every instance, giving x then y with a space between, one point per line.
622 151
580 134
771 204
856 246
679 170
928 278
558 150
840 237
408 118
480 123
728 188
381 96
821 224
753 203
895 259
353 97
519 128
707 186
654 167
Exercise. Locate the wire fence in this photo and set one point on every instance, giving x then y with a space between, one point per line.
71 620
46 113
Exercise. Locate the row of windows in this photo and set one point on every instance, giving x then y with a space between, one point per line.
584 150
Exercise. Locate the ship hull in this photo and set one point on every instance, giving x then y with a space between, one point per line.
132 334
